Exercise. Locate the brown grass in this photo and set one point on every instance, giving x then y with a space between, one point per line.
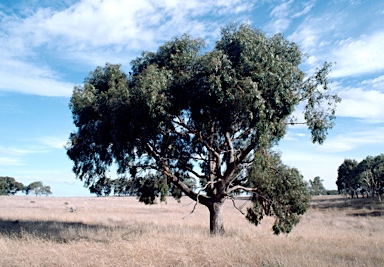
117 231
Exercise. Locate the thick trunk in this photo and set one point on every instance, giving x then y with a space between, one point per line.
216 223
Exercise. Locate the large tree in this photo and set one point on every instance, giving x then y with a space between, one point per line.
184 114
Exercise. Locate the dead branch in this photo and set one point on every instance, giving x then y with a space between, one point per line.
234 204
197 199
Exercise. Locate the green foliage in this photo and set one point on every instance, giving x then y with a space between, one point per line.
366 176
37 188
149 188
332 192
279 191
348 176
9 186
101 187
371 174
183 114
316 187
146 188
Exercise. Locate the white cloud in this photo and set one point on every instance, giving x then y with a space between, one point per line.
377 83
282 10
294 136
359 56
8 161
362 104
311 37
284 13
54 142
12 156
354 140
27 78
280 17
307 8
17 152
94 23
92 32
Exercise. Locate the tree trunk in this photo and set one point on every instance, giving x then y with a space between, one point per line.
216 223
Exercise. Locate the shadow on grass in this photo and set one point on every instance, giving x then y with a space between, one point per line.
64 232
367 214
363 207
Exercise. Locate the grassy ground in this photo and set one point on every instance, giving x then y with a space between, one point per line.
117 231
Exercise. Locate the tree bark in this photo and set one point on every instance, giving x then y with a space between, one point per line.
216 223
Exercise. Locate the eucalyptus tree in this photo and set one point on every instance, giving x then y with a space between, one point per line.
317 187
364 176
102 187
37 188
348 177
9 186
372 174
184 114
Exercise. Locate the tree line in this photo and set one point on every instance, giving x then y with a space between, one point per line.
365 177
9 186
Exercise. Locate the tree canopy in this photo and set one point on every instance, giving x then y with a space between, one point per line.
316 186
184 114
37 188
365 177
9 186
347 177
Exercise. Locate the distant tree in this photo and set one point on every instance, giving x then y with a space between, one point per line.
332 192
9 186
348 179
316 186
362 177
371 174
37 188
183 114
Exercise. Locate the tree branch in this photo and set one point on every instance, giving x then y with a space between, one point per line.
195 173
197 200
234 204
231 149
174 179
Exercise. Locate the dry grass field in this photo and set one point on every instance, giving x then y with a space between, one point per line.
119 231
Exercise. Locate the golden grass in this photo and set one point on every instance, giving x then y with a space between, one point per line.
119 231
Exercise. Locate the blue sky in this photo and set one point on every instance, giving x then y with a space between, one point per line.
48 47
